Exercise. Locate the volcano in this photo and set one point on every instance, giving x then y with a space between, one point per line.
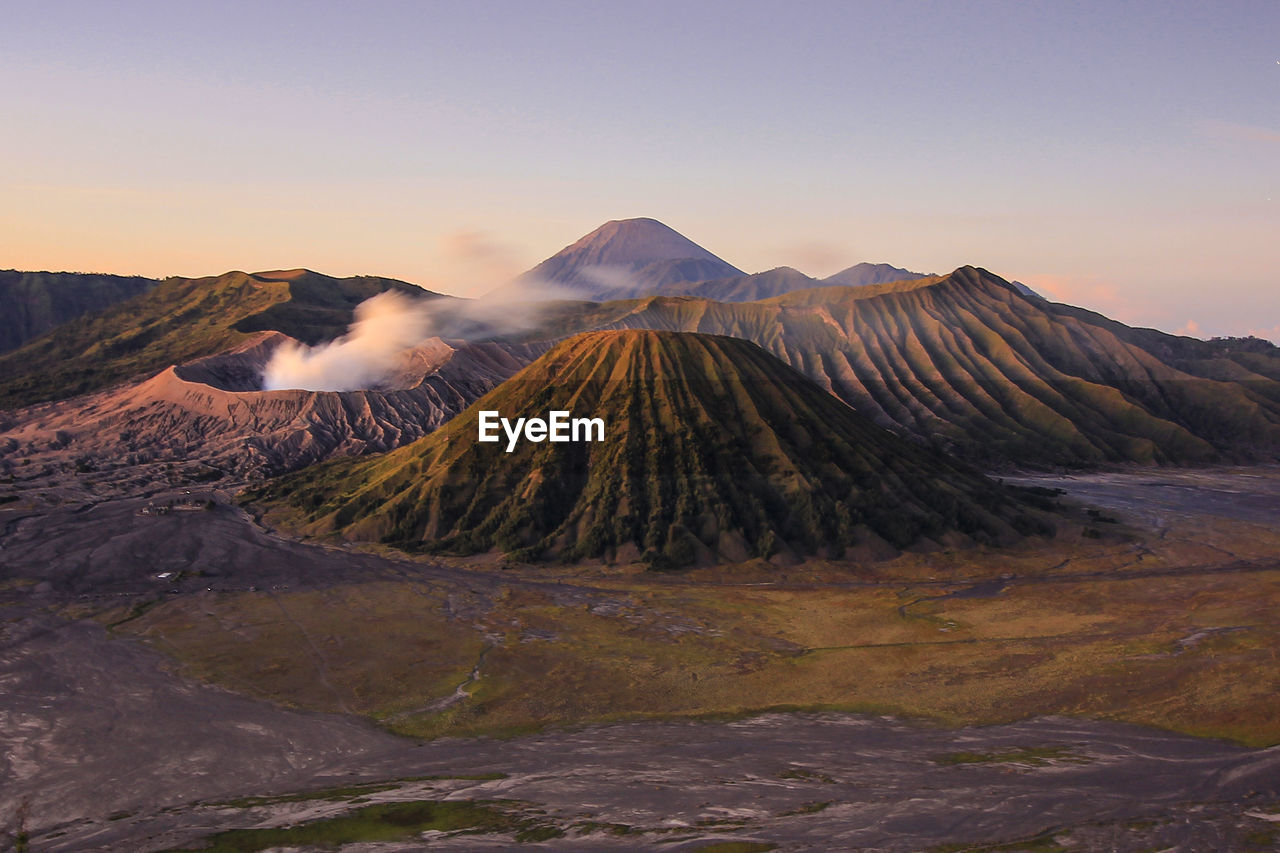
713 451
212 416
625 258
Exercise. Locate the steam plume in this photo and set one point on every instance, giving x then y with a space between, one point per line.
385 326
390 323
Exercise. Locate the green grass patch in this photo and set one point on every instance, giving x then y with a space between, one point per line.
383 822
134 612
590 827
1262 839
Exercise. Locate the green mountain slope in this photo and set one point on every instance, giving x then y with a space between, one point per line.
713 450
971 365
179 320
35 302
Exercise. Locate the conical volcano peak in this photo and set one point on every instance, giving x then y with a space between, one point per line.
674 449
637 241
628 257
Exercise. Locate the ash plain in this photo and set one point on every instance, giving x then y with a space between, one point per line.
109 746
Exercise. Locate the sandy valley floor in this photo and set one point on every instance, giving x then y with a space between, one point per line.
941 699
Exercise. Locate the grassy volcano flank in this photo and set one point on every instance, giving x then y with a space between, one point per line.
714 451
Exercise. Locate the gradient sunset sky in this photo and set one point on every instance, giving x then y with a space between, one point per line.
1123 157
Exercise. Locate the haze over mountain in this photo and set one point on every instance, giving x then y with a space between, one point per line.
779 281
713 451
627 258
35 302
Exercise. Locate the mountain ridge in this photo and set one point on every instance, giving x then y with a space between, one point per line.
36 302
183 319
969 364
864 273
631 258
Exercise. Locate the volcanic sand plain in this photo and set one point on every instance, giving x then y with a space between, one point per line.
260 666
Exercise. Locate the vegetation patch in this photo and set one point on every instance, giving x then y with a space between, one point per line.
808 808
384 822
641 648
134 612
1263 839
591 827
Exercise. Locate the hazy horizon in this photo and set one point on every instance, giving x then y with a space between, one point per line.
1121 159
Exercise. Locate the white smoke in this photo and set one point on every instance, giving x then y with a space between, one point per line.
390 323
385 326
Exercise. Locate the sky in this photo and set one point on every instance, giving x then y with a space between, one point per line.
1122 157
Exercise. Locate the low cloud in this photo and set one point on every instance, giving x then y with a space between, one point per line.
476 247
474 261
1088 292
817 258
1191 330
1272 334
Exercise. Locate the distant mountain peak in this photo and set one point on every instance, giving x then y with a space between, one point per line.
860 275
628 257
640 241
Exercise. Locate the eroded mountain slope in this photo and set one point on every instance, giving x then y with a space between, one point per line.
968 363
